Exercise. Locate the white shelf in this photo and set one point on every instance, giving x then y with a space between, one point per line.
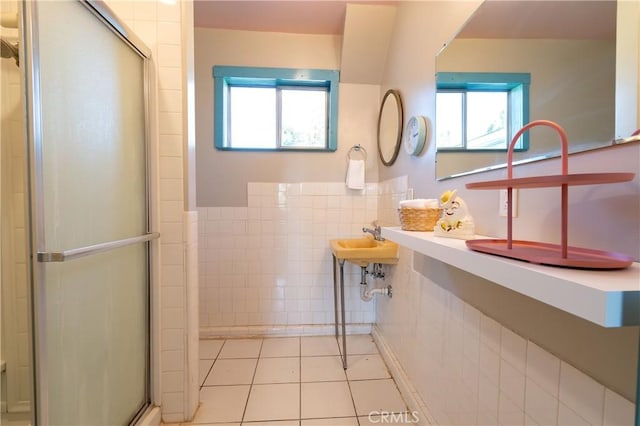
608 298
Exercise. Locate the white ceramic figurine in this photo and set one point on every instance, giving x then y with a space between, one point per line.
455 222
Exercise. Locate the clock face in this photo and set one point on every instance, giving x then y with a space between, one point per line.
415 135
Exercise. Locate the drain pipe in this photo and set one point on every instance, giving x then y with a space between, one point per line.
366 294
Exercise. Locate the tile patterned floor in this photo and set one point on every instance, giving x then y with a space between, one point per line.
293 381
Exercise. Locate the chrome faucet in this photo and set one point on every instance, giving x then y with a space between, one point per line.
376 231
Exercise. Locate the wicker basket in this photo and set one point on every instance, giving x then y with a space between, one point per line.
418 219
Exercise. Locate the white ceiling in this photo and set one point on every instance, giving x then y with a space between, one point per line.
590 19
494 19
288 16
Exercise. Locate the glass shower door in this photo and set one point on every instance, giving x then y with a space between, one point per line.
87 101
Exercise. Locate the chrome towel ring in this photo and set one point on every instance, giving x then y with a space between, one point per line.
358 149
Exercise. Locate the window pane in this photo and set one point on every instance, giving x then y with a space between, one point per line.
449 120
252 117
304 118
486 120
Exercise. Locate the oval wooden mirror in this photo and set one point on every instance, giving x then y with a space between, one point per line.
390 121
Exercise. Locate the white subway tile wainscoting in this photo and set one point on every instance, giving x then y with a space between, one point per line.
270 264
16 309
265 270
468 369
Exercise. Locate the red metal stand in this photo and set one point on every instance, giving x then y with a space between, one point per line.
543 253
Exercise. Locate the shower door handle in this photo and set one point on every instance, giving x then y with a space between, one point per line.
71 254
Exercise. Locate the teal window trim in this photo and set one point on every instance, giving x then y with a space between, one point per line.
224 76
516 84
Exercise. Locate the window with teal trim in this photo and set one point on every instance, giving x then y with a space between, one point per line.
481 111
275 109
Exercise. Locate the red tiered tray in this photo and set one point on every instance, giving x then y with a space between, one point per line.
544 253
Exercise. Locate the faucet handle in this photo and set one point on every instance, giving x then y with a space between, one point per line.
374 223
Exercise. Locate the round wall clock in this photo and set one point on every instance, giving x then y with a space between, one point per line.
415 135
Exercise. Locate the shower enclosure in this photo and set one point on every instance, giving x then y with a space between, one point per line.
75 217
15 373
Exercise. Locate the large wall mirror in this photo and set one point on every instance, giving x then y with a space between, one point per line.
569 50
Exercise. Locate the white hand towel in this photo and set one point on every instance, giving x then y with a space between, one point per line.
431 203
420 203
355 174
412 204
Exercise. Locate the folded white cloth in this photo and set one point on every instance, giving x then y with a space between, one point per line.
420 203
355 174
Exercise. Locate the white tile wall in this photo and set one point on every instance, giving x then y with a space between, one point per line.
391 192
270 263
514 381
469 369
192 295
543 368
617 410
581 393
15 351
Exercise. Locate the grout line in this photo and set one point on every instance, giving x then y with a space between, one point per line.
206 375
213 361
329 417
246 404
372 379
353 402
227 385
248 357
300 381
220 350
327 381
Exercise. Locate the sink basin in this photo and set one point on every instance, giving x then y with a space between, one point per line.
363 251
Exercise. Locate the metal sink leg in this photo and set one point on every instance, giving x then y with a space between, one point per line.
342 309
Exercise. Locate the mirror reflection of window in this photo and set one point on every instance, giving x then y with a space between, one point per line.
487 120
570 49
449 123
481 111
